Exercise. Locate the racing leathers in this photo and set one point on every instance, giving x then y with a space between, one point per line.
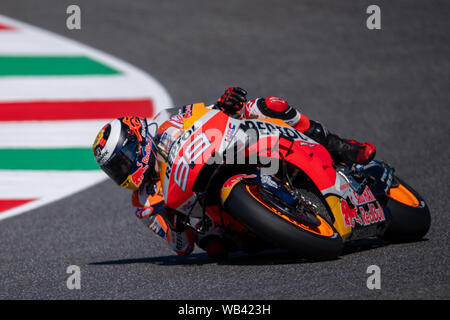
148 201
341 150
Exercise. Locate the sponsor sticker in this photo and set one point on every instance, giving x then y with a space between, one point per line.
366 212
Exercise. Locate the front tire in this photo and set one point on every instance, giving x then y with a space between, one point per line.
260 216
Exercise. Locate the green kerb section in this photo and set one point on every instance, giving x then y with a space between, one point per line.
52 66
48 159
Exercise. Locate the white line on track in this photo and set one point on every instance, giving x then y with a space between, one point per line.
75 88
49 134
49 186
154 89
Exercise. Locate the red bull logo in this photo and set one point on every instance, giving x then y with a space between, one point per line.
137 177
148 149
373 213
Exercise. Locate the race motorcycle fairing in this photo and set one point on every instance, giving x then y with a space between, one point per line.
264 177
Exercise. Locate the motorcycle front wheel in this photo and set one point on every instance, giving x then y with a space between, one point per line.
304 231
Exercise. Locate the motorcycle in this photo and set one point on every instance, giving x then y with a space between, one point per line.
262 180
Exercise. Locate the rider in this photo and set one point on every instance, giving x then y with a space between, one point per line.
124 149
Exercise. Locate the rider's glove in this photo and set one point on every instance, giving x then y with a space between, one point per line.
232 101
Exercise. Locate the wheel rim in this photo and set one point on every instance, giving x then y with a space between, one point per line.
401 194
322 228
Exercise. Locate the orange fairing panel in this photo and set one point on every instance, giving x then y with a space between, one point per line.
198 111
314 161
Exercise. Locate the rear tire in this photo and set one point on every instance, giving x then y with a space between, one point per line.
409 221
247 207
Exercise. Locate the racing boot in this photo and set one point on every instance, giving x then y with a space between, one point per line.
341 150
349 151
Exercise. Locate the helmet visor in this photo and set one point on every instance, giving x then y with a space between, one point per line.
121 164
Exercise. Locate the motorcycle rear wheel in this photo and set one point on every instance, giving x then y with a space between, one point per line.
264 218
410 216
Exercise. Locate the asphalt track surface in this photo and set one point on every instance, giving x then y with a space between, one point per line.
389 86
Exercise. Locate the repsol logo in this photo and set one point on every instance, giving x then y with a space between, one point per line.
179 142
173 151
268 129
